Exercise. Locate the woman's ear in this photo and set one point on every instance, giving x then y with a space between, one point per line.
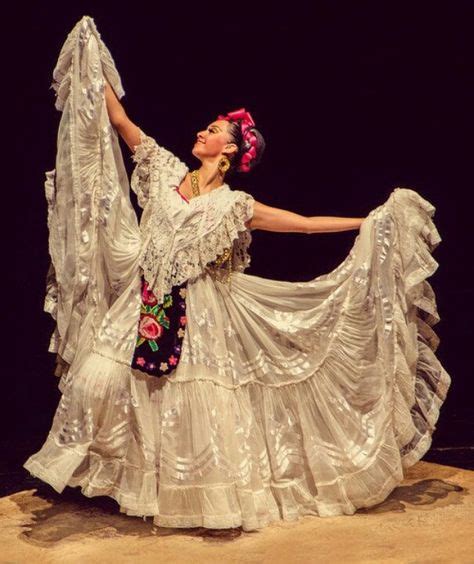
230 149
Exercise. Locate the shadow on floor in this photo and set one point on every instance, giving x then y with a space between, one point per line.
71 513
425 494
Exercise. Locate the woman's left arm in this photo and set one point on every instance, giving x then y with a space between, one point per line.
275 219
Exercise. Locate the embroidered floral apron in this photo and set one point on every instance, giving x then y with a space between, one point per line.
160 331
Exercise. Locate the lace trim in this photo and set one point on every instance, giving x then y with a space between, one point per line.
155 167
164 269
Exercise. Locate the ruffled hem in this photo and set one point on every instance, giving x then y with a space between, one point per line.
273 503
416 407
213 505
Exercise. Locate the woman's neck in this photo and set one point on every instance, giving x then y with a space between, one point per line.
209 177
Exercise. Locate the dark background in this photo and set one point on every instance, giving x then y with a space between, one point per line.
353 99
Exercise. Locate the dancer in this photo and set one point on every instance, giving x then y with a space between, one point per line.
193 392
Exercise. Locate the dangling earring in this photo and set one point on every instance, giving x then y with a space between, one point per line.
223 164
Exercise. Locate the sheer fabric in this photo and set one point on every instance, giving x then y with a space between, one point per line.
289 398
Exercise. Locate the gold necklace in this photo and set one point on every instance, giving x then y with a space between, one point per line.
195 182
226 256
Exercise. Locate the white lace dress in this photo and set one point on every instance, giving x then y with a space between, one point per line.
289 398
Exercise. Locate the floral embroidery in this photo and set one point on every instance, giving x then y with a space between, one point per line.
160 330
149 329
172 360
148 297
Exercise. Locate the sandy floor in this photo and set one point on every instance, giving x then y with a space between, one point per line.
427 519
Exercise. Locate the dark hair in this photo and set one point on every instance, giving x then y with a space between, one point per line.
235 132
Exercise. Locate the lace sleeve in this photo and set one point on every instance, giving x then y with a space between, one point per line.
152 161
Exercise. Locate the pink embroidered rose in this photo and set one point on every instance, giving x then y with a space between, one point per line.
148 296
149 327
172 360
140 361
182 320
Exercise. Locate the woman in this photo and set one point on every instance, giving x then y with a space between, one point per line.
230 143
198 394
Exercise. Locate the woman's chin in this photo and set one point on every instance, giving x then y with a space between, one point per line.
196 152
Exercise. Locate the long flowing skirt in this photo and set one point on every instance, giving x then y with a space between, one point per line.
289 399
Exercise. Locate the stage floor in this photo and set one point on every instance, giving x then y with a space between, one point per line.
429 518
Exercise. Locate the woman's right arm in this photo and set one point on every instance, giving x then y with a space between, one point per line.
129 132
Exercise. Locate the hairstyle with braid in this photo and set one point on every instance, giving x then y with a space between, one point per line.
249 141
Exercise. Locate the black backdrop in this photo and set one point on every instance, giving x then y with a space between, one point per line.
352 98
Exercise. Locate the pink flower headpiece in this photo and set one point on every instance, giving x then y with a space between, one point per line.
249 137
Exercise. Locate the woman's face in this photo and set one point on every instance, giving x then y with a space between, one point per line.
213 141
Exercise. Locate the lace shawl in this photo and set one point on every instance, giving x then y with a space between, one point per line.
180 239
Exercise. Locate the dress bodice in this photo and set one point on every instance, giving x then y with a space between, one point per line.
181 237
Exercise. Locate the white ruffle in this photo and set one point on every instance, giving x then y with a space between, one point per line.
155 168
290 399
